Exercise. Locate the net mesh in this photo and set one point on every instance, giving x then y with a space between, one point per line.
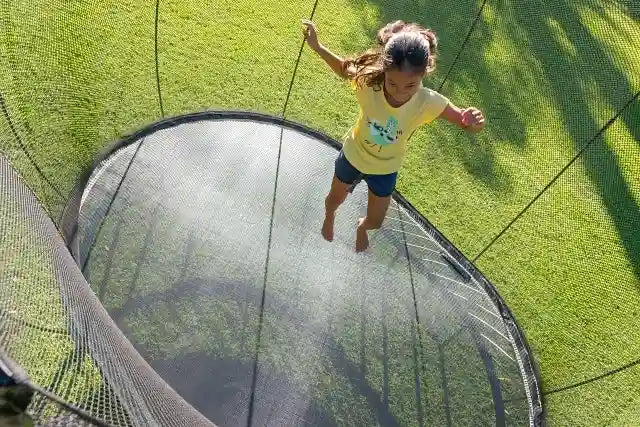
55 328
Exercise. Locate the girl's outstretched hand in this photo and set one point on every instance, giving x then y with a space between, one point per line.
310 33
473 119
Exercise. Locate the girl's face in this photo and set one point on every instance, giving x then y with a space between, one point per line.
400 86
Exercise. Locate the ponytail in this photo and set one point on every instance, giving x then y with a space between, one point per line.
400 45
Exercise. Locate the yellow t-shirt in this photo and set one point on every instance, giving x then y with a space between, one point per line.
377 143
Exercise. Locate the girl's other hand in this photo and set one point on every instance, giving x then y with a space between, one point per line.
310 33
473 119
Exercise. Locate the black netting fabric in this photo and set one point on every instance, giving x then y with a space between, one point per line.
55 328
69 62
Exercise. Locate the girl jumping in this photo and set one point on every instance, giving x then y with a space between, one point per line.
393 103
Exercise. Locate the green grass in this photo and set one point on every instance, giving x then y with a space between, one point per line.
548 75
34 323
71 68
236 60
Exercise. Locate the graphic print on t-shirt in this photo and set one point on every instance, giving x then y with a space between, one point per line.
383 135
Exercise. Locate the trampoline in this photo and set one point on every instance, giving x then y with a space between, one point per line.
163 170
200 236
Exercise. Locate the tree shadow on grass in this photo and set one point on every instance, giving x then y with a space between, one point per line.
217 380
534 26
631 8
577 106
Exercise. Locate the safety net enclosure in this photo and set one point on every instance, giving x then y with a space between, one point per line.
232 297
163 167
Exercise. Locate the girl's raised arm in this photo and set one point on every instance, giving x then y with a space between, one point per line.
470 119
334 61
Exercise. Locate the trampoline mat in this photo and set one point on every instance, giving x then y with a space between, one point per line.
234 298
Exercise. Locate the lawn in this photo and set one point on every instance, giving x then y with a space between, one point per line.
548 75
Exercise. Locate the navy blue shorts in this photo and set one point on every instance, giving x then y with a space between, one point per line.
380 185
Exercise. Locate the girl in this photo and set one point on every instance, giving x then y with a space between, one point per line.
393 103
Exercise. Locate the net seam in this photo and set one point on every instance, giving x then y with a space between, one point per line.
157 61
464 44
594 379
106 214
420 350
23 147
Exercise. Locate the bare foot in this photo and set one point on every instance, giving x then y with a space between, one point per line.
362 238
327 227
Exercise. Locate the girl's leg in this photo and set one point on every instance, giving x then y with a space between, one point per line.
337 195
376 212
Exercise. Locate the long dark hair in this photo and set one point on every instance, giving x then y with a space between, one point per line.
400 46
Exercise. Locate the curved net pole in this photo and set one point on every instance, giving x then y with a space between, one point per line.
157 62
254 373
558 175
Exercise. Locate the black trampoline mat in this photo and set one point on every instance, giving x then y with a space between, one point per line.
185 249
